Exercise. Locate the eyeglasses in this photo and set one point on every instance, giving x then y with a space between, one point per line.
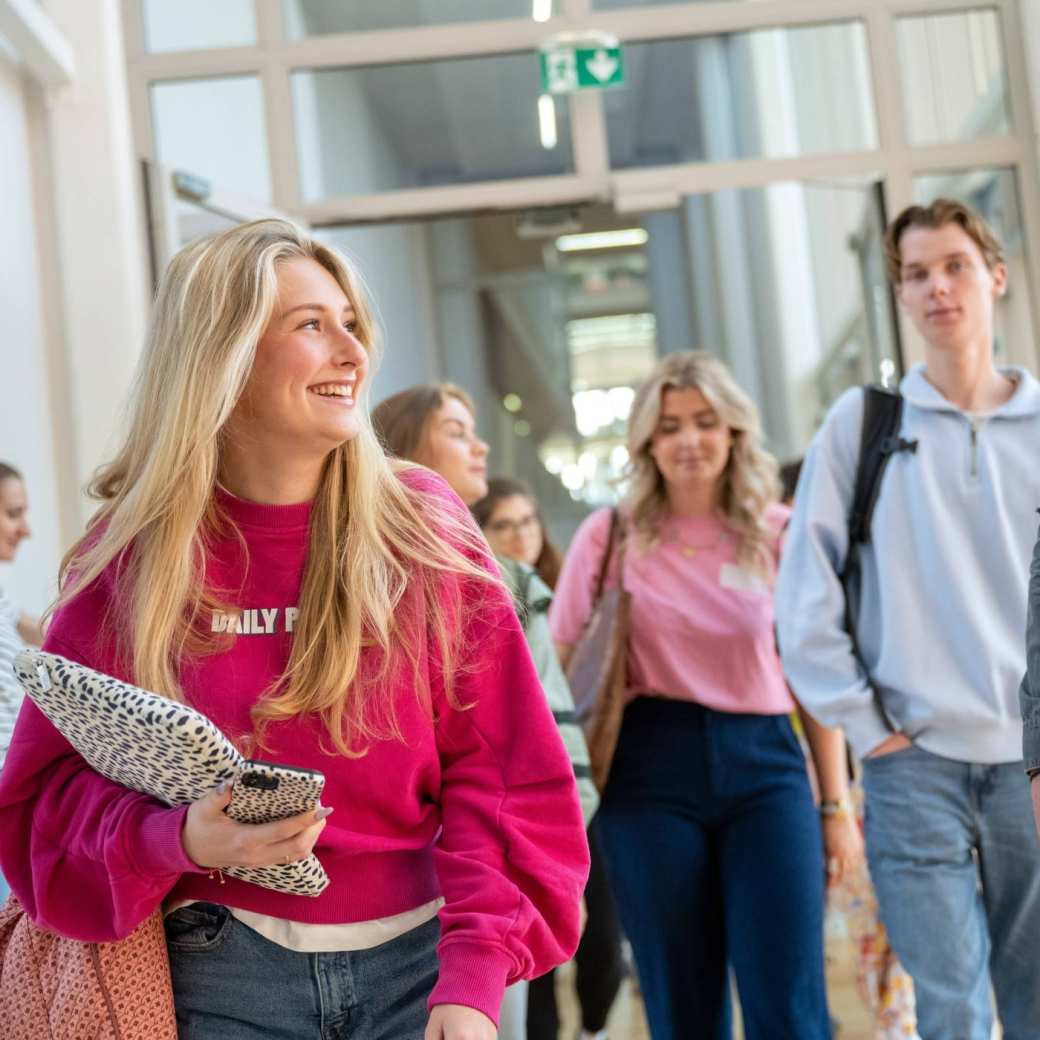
527 525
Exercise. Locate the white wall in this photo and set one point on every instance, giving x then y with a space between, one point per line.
73 282
26 439
99 266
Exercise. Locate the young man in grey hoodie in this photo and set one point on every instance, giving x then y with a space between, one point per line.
930 702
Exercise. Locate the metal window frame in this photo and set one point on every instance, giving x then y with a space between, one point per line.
161 196
893 162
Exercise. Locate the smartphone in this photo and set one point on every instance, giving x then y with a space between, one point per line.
265 792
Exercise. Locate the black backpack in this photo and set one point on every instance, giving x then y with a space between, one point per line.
879 441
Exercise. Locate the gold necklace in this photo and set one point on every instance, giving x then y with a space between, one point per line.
690 551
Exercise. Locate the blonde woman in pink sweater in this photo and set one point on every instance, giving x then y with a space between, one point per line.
711 837
256 555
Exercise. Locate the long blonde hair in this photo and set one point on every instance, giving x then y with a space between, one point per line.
382 558
749 483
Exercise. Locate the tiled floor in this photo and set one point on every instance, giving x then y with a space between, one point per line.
627 1022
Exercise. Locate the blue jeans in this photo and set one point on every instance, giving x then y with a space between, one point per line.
230 983
956 864
713 847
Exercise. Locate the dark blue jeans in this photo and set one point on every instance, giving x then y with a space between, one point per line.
230 983
713 847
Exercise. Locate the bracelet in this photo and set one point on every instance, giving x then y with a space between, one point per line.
838 808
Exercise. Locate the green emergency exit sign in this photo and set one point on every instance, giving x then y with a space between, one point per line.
567 68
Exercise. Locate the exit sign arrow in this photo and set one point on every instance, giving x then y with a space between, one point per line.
571 62
602 66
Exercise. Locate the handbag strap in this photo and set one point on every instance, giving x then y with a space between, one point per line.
608 553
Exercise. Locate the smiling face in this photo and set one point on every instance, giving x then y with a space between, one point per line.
513 529
300 399
691 444
13 523
452 448
946 287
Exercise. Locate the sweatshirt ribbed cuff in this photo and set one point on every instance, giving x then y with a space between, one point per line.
158 849
865 730
472 975
1030 735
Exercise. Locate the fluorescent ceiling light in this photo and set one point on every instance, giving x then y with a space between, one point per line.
542 10
602 240
547 121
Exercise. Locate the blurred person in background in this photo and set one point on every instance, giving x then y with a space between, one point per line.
17 629
435 425
789 474
511 520
709 828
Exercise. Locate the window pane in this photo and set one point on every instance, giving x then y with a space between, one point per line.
769 93
954 77
318 17
443 122
192 120
994 193
179 25
786 284
610 5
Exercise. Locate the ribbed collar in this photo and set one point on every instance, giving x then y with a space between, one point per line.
256 514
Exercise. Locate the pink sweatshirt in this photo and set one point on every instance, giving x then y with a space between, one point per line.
701 627
479 807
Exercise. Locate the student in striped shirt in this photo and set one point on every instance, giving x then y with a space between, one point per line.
16 628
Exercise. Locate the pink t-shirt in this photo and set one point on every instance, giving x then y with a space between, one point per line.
701 626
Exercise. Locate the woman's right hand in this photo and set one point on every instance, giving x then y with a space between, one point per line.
214 841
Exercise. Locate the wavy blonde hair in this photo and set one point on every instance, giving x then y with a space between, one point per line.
750 481
381 554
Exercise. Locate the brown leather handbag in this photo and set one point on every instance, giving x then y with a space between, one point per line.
597 670
52 988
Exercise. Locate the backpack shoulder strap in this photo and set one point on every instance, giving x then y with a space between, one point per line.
882 417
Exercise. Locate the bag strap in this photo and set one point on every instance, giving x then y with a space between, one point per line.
608 553
879 441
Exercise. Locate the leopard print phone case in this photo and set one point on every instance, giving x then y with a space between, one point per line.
165 749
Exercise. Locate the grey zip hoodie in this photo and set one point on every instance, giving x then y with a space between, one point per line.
943 615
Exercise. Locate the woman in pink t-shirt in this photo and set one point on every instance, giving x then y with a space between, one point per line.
707 820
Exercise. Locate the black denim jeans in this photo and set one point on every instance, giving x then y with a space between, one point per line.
599 965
